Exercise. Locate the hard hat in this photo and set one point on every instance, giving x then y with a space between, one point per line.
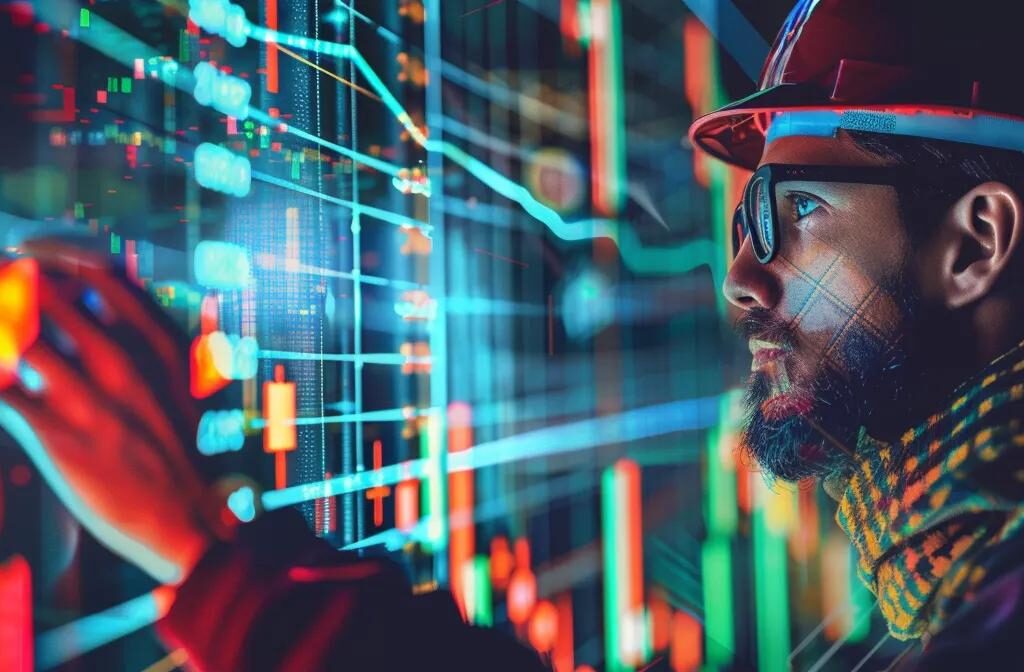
929 68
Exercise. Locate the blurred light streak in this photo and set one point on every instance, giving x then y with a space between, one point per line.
562 657
871 652
385 415
483 139
462 538
387 34
365 159
352 85
170 662
632 425
676 259
685 645
607 116
477 586
435 482
734 32
622 553
546 114
771 585
861 620
15 613
376 213
363 278
69 641
395 359
638 258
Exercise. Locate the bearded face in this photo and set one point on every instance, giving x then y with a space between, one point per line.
829 321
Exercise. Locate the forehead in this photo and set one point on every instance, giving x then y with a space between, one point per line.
817 151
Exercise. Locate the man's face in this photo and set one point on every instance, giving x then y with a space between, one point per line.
827 318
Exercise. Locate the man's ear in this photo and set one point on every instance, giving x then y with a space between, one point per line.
981 237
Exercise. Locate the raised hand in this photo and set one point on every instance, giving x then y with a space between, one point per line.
102 408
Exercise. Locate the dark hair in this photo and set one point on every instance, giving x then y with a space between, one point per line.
923 204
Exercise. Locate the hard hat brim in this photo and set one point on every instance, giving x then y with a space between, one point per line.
735 133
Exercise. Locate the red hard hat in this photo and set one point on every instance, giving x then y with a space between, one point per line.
893 56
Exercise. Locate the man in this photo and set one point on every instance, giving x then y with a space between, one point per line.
877 269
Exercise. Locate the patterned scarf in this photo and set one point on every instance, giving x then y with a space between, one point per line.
927 515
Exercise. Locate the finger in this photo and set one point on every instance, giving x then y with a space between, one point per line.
126 301
108 364
128 313
64 390
28 422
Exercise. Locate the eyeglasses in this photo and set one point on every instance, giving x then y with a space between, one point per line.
757 215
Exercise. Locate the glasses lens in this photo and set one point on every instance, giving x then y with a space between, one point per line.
739 230
759 215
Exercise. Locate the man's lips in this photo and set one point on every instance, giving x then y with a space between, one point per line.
764 352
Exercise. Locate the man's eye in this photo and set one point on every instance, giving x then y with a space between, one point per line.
803 205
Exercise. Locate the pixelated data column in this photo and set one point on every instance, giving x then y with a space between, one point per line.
286 235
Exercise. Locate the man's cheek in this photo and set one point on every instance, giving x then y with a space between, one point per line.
842 315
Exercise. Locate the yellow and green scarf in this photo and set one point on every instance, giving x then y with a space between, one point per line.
928 514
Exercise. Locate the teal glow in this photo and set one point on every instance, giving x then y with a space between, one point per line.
220 265
771 594
74 639
637 257
21 431
633 425
218 169
221 431
242 503
221 91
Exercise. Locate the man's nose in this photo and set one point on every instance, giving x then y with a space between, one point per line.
749 283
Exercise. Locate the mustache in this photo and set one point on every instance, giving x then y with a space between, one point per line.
763 324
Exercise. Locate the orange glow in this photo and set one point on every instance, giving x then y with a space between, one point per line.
697 46
204 375
378 492
562 658
661 622
280 470
209 315
502 562
543 626
804 537
522 552
19 314
279 413
462 538
686 643
415 350
407 505
522 594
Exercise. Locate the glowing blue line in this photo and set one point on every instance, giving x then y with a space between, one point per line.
685 257
633 425
21 431
386 415
355 276
74 639
376 213
366 358
371 161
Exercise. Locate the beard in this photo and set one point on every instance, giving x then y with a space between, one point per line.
803 418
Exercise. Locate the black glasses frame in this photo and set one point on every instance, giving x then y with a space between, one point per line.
765 239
